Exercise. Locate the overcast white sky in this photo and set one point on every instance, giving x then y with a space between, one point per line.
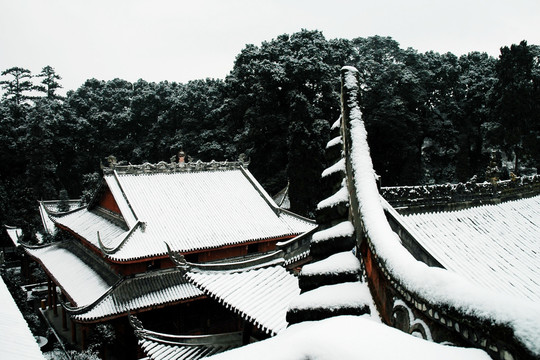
179 40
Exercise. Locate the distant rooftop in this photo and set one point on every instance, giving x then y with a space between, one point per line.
191 206
496 246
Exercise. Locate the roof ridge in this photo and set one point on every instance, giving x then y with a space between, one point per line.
173 167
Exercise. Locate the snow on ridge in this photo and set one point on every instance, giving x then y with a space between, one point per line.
343 262
340 196
334 141
339 166
336 124
438 286
342 229
348 294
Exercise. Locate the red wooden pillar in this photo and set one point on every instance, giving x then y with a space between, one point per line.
73 332
64 315
83 337
54 300
49 292
25 272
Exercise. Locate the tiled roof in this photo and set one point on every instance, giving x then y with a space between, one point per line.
496 246
190 210
52 207
98 292
158 346
87 224
141 292
83 277
260 294
162 351
14 233
16 341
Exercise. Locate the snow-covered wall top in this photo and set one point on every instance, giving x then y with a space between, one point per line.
433 288
429 195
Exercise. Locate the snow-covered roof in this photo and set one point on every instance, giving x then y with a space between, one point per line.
141 292
88 224
191 210
434 285
334 297
260 293
282 198
52 207
14 234
82 277
158 350
348 338
16 341
496 246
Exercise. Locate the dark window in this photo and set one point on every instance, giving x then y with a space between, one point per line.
253 248
193 258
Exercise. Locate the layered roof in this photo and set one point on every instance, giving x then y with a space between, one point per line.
96 292
82 276
496 246
259 290
53 207
192 208
146 291
14 234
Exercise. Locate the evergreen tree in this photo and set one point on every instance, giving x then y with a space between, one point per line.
516 98
50 84
17 88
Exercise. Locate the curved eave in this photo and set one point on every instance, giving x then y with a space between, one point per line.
146 292
100 280
164 254
97 319
50 275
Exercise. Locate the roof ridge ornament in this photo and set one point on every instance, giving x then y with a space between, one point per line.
111 250
178 259
136 324
164 167
244 160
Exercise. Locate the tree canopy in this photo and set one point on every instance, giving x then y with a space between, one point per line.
430 117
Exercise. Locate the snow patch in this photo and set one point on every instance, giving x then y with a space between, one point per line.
334 141
348 338
349 294
342 262
336 124
339 166
342 229
340 196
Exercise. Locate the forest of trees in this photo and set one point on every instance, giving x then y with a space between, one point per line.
431 118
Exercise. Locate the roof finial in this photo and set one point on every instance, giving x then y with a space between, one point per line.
244 160
111 159
181 157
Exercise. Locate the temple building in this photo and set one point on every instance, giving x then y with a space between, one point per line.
116 259
451 264
195 260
